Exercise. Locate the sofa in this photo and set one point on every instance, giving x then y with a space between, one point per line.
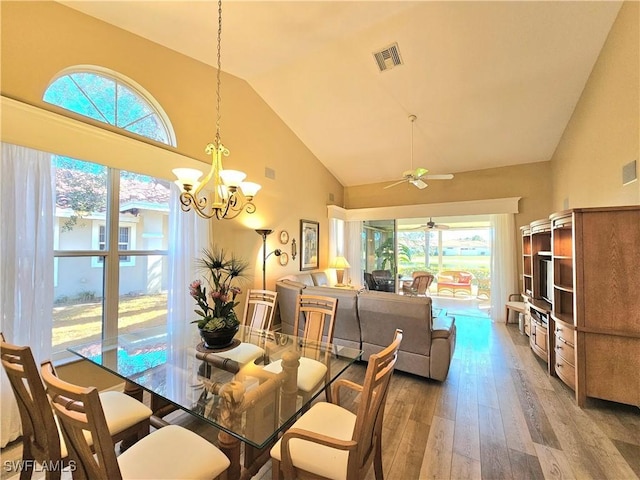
367 320
454 281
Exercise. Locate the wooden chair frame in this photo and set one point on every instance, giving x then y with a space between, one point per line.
319 314
365 446
85 431
259 308
40 433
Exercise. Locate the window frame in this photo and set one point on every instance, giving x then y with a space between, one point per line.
125 81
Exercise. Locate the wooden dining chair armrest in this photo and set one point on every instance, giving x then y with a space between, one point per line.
301 434
344 383
315 437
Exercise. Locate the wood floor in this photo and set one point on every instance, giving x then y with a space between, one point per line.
497 416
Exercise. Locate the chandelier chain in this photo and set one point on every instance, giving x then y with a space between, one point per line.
230 194
218 114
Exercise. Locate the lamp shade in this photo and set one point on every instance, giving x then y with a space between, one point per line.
339 263
250 189
232 178
187 176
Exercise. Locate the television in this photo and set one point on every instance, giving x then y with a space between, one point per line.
546 279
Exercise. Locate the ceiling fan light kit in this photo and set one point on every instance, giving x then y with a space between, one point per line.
418 176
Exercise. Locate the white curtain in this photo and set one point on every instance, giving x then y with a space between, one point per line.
504 269
353 252
26 262
189 234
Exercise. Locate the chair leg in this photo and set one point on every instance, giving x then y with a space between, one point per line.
28 462
54 473
377 461
275 470
506 318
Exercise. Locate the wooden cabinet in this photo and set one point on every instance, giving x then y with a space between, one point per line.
541 339
565 354
596 302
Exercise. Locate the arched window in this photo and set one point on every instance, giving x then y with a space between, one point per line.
110 98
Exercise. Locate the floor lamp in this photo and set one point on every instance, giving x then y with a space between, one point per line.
264 232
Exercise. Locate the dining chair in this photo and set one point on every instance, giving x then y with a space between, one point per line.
329 441
42 440
170 452
259 309
319 314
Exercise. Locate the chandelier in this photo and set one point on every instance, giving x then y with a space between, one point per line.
231 195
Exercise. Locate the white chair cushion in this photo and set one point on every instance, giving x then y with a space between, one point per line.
122 411
243 353
327 419
310 372
172 452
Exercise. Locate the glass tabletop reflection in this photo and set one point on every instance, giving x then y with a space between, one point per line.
244 400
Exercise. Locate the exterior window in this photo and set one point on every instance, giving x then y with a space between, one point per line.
111 268
110 98
124 244
89 297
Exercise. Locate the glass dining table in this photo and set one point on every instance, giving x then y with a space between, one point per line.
249 405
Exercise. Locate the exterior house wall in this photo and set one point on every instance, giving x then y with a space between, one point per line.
83 277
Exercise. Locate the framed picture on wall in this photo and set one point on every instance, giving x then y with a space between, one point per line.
309 239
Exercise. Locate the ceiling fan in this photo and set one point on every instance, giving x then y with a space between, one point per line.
431 225
418 176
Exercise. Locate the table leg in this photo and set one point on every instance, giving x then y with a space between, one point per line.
231 395
134 391
288 403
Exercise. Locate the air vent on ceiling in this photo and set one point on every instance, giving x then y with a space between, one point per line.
388 58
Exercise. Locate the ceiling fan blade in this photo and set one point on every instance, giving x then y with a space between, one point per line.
441 227
396 183
444 176
419 172
419 183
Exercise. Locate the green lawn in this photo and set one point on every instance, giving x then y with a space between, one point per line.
83 322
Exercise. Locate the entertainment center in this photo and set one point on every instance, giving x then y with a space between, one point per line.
581 285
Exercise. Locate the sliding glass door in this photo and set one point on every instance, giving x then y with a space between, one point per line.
379 255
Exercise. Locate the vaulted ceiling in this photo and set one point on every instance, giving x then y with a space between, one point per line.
491 83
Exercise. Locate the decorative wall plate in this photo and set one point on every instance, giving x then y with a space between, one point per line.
283 258
284 237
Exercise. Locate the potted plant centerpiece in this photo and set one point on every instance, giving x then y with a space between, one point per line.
218 322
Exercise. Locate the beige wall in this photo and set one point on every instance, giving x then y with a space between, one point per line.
604 131
529 181
39 39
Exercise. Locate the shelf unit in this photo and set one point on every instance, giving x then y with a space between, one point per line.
596 304
527 266
536 242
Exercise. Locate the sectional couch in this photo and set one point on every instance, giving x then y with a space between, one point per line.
367 320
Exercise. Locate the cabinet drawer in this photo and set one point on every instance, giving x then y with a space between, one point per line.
565 349
566 333
566 371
